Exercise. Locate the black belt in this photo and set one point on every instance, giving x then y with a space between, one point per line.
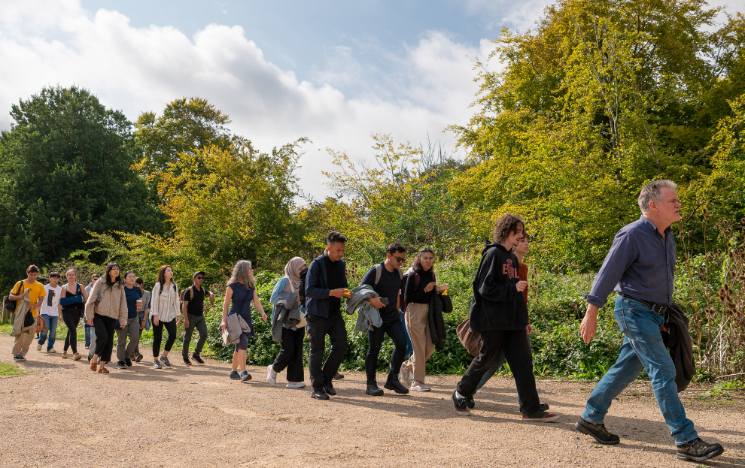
659 308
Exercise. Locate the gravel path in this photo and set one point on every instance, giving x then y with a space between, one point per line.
65 415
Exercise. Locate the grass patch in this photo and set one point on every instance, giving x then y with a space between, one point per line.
8 370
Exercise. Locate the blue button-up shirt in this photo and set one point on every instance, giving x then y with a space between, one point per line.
640 263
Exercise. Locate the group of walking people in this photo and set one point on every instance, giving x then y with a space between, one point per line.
307 302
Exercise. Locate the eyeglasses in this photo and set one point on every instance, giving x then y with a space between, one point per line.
399 259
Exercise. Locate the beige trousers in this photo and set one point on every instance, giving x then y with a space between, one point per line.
23 341
417 325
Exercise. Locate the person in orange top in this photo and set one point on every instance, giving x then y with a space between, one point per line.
522 249
36 297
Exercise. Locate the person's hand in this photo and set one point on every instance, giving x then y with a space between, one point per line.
89 322
430 287
178 319
123 326
529 329
142 325
349 295
186 322
156 322
521 285
223 326
212 298
376 302
589 324
263 316
338 292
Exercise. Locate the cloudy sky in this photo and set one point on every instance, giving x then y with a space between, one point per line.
332 71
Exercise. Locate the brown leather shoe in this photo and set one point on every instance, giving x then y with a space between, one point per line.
102 369
94 363
76 357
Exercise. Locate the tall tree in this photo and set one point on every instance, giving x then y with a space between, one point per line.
66 171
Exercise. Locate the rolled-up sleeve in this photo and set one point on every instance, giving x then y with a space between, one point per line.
622 254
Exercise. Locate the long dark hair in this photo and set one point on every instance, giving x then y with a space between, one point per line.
417 266
162 276
110 267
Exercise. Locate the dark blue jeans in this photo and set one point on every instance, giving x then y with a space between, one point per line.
409 347
376 336
642 347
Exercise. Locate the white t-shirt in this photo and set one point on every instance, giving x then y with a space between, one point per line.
50 305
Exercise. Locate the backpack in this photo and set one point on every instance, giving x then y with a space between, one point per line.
10 304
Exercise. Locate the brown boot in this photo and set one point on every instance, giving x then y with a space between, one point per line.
76 357
94 363
102 369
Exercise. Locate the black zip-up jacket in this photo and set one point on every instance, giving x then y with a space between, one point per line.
496 303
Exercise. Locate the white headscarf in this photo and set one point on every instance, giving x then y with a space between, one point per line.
291 269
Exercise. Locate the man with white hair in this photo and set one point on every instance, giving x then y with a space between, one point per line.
640 267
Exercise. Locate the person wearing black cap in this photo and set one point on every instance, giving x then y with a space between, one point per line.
193 310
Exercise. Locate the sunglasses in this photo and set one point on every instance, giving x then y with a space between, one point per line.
199 277
398 259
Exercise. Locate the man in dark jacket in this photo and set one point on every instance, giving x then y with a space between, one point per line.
325 285
499 313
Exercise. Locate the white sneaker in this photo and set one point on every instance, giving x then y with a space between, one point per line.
404 376
295 385
38 347
420 387
51 351
271 376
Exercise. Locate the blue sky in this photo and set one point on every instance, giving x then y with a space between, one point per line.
331 71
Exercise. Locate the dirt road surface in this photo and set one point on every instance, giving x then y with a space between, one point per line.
64 415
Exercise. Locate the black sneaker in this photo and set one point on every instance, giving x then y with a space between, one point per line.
470 403
121 365
197 358
698 450
319 394
598 431
187 362
329 388
128 362
394 384
338 376
460 405
373 389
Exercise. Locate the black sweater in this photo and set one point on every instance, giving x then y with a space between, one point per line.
414 295
496 303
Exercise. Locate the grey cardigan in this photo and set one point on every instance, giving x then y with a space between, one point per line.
367 315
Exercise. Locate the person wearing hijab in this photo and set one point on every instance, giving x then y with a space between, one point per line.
291 355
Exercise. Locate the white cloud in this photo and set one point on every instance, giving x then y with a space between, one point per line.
141 69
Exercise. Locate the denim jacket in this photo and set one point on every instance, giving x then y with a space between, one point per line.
316 288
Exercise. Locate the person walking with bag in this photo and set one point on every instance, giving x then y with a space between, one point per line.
326 284
241 292
105 305
499 313
50 310
164 312
24 334
291 354
421 283
193 310
385 279
72 300
124 351
640 267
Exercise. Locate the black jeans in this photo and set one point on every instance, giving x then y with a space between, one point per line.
319 327
291 355
158 336
376 336
519 357
71 319
104 336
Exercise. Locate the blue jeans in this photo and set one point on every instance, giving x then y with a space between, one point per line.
498 363
409 347
51 330
642 346
88 329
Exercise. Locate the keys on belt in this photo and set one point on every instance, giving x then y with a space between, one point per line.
659 308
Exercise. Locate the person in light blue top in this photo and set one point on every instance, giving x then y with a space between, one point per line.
291 355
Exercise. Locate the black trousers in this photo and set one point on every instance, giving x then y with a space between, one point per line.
158 336
519 357
291 355
375 337
104 336
318 328
71 319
